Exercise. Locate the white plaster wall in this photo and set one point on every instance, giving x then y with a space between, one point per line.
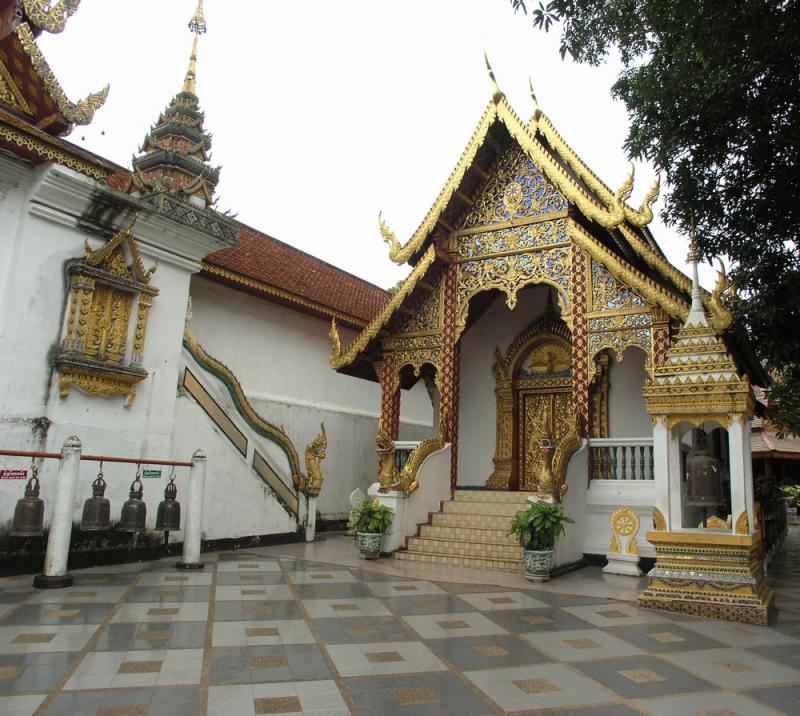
34 302
627 416
280 356
603 498
569 547
497 327
237 503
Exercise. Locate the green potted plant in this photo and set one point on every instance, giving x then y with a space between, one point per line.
537 529
792 493
369 520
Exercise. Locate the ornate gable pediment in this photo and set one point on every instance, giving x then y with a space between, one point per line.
517 191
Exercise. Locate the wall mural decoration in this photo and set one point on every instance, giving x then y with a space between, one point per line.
100 352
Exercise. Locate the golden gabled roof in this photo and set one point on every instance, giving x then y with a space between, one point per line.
609 212
338 358
80 112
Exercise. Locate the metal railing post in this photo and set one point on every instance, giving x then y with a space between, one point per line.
55 562
193 532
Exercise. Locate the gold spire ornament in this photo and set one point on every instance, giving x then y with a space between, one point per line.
198 26
498 93
537 112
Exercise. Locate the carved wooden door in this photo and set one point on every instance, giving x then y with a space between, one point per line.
543 413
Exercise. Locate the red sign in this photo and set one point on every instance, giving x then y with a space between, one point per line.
13 474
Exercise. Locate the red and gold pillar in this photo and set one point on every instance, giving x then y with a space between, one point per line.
449 379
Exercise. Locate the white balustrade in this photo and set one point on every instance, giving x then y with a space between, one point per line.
622 458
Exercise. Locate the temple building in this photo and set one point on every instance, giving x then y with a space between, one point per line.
571 360
541 347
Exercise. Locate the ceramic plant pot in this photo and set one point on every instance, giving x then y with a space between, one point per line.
369 545
538 565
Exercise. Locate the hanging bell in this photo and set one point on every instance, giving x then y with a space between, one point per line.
168 517
704 483
29 512
97 509
134 511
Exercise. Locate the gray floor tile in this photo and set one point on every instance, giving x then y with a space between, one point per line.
260 664
427 604
641 677
544 619
357 629
663 638
486 652
440 694
783 698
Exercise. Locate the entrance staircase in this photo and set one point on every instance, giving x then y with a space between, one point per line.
470 531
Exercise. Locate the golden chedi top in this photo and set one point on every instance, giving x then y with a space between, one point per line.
176 151
698 379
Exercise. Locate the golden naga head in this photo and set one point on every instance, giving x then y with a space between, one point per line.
335 342
383 441
319 445
718 305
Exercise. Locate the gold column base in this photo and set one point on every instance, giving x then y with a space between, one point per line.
708 574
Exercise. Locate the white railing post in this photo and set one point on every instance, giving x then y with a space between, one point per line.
55 561
193 532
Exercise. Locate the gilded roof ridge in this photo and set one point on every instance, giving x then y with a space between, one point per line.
499 109
80 112
49 17
640 217
338 358
675 306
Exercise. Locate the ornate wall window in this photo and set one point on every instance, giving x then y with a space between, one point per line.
101 351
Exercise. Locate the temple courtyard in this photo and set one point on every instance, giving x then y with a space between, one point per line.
311 629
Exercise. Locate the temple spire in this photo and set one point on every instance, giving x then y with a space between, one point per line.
198 26
697 313
174 158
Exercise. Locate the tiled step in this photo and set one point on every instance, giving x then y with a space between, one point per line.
466 534
451 519
486 496
507 565
478 550
504 509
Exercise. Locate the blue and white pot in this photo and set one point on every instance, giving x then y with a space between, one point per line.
369 544
538 564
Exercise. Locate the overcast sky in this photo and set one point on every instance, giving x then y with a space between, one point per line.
324 113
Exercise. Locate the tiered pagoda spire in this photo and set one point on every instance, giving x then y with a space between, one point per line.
176 151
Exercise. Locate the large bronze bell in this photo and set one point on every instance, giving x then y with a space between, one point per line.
97 509
705 478
168 517
134 511
29 512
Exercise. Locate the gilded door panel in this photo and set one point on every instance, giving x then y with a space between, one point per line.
543 412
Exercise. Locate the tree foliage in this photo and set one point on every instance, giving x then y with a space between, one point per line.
712 90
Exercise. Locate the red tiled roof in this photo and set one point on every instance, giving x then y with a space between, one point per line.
271 262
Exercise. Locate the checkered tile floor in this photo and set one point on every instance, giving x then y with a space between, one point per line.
259 634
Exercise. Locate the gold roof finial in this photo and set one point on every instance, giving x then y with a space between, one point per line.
537 112
498 93
697 313
198 26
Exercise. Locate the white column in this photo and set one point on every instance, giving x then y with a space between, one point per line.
675 520
193 532
311 518
55 561
741 466
661 466
395 536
